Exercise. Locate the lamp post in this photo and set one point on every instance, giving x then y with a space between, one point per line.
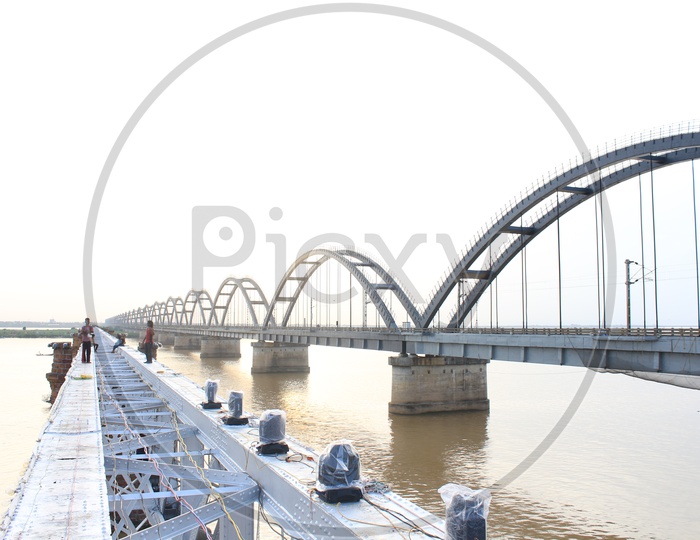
627 284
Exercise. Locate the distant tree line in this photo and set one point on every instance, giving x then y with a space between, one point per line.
37 333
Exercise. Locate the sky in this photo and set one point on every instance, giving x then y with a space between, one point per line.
363 126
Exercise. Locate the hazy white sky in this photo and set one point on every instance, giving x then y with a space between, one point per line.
349 124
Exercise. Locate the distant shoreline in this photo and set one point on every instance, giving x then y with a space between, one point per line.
40 324
64 333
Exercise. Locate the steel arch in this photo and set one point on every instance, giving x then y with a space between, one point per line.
390 283
170 311
178 309
228 289
158 310
151 312
343 257
192 300
593 175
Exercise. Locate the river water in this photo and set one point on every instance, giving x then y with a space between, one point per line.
24 392
626 466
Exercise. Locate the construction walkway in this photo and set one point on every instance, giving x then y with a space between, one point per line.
132 450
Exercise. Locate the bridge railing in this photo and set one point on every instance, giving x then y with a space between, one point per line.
631 332
542 331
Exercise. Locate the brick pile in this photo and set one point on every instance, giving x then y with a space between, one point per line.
63 354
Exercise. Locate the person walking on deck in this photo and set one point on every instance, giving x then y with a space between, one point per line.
148 342
87 333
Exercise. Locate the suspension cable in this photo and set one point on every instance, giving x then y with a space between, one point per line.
490 291
526 296
653 233
495 284
641 230
350 298
559 259
602 253
597 253
523 277
695 221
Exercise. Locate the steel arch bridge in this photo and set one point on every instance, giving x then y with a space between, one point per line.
480 263
199 308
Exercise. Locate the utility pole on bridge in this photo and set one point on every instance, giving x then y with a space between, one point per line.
627 285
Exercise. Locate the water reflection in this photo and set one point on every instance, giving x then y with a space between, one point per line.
286 391
430 450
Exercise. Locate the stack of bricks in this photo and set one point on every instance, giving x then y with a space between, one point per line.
63 354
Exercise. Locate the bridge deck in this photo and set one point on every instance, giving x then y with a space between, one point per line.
667 351
63 493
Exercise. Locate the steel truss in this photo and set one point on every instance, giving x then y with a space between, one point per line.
163 480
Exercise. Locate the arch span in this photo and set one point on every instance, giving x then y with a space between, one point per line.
251 293
308 263
508 233
159 310
193 300
174 308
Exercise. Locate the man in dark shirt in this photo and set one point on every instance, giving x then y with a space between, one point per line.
87 332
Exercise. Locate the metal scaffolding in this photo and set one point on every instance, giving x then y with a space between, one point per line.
163 480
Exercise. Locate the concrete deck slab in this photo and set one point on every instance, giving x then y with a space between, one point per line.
63 493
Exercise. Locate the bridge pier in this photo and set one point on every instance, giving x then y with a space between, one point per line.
424 384
166 338
273 357
187 342
220 348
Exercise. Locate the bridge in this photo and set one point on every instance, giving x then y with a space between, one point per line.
176 468
329 295
139 451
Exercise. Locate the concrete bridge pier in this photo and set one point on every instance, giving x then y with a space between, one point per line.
425 384
213 347
273 357
187 342
165 338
